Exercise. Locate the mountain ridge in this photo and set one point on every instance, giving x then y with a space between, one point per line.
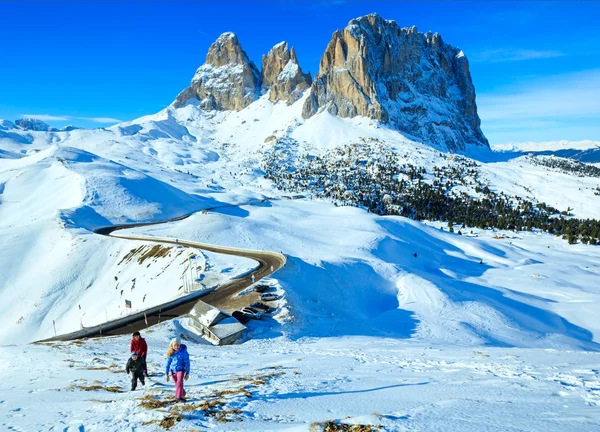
412 81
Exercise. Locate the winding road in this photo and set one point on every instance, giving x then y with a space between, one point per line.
224 297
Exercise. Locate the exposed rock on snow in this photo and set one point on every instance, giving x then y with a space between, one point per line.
33 124
413 81
282 75
227 81
68 128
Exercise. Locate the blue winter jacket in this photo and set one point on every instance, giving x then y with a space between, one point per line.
179 361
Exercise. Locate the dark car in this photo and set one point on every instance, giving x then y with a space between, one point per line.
251 312
240 316
261 288
261 307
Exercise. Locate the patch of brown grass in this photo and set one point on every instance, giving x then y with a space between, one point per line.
336 426
150 402
210 405
131 254
156 251
228 416
112 389
169 421
226 392
214 408
264 378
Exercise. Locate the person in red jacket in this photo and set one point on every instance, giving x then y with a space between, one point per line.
139 345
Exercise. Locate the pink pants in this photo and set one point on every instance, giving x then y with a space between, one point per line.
178 380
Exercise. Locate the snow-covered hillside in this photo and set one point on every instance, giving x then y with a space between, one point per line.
60 186
408 290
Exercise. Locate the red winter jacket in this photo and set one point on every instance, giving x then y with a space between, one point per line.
139 346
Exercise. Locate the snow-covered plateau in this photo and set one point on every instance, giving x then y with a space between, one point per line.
385 320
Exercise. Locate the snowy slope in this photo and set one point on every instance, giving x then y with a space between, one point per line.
52 263
277 384
352 279
182 160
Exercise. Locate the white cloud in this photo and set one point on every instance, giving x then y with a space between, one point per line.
100 119
549 108
560 96
508 55
45 117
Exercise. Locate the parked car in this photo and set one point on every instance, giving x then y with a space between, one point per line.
261 307
251 312
240 316
261 288
269 297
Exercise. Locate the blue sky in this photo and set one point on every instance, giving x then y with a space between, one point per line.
535 65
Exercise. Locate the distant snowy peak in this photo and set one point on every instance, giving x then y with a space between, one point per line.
584 151
227 81
410 80
32 124
68 128
282 75
547 146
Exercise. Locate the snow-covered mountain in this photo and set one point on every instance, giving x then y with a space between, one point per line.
382 306
412 81
585 151
32 124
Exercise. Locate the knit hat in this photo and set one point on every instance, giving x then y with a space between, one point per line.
134 353
175 341
137 333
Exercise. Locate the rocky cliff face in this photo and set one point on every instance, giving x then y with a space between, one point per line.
282 76
413 81
227 81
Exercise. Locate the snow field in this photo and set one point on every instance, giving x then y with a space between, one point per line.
276 384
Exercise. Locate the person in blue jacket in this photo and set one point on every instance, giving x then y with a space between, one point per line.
178 364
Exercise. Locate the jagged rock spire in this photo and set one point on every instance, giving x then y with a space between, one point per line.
282 76
413 81
227 81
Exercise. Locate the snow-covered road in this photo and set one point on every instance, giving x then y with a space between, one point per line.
222 297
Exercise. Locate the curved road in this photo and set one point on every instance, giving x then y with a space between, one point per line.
223 297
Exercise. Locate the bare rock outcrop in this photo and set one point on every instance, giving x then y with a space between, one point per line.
282 75
415 82
228 80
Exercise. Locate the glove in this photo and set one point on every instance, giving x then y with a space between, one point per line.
167 377
186 377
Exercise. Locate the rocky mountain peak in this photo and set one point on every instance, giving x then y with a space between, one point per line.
225 50
228 80
33 124
282 75
413 81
